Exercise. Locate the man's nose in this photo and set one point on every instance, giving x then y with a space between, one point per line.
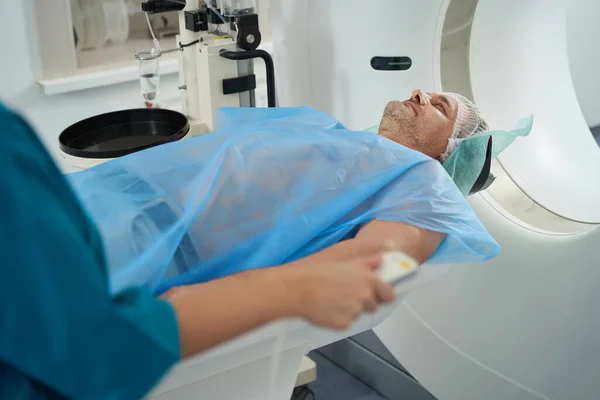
420 97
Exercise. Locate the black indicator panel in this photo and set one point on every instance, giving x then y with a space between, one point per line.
391 63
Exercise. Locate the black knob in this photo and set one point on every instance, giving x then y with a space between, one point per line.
249 38
148 6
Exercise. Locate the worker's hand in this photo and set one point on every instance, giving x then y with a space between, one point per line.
335 295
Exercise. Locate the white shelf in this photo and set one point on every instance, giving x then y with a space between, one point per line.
94 79
123 68
116 55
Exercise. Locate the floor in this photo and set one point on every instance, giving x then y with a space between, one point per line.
596 133
334 383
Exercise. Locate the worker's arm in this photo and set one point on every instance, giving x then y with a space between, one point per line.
331 295
381 236
230 306
62 330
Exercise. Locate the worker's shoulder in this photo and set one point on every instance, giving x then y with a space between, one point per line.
4 111
20 147
9 120
14 129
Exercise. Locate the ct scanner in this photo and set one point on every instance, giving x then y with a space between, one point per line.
522 326
525 325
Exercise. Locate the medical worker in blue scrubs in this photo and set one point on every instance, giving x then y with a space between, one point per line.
62 335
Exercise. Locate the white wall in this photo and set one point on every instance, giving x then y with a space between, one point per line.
584 49
51 114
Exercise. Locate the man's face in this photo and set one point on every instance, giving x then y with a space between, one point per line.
423 123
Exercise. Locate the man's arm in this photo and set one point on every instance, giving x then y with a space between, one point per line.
418 243
381 236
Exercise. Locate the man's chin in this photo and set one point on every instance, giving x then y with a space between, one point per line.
392 107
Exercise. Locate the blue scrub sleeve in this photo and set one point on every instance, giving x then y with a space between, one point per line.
58 324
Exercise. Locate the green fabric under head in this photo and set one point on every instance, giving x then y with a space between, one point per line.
374 129
466 162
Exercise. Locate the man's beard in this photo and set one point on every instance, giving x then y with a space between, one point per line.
400 121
